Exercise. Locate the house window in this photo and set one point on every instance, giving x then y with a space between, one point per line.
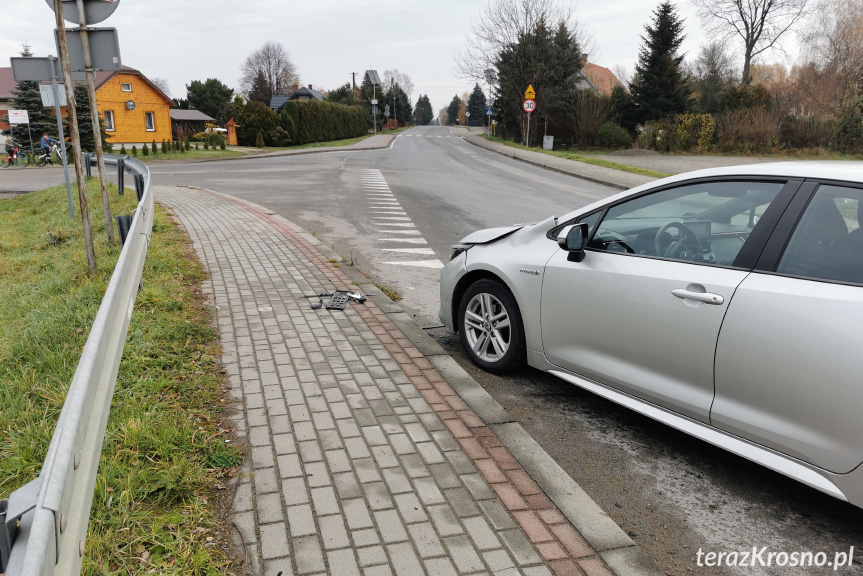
126 87
109 120
151 122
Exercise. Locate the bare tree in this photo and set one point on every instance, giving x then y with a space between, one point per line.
622 74
835 43
162 85
402 79
271 60
712 71
760 23
503 24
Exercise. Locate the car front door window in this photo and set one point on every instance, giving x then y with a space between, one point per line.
706 222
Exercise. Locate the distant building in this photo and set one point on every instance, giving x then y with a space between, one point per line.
185 123
303 94
601 80
7 87
135 111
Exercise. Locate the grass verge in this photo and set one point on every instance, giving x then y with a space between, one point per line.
164 464
188 155
583 158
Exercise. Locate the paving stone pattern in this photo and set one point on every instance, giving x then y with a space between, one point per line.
362 459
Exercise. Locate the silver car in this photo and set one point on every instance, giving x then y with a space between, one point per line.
726 303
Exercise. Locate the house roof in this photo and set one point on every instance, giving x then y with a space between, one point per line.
8 83
601 78
190 115
278 100
308 93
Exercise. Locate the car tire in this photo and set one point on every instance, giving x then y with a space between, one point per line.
490 327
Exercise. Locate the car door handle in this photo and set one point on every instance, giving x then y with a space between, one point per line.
705 297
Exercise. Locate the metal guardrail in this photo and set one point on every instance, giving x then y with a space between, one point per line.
43 525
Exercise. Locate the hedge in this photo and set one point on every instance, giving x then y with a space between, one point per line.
317 121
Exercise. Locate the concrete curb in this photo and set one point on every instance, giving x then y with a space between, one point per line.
479 142
612 544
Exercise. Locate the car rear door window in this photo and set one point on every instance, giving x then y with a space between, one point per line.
827 243
706 222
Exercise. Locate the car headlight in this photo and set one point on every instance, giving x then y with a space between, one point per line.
458 249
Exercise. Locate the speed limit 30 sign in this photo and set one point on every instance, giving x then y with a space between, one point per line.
529 106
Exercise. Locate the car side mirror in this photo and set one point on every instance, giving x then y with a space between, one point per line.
573 239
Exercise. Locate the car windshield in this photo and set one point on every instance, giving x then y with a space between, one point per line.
683 202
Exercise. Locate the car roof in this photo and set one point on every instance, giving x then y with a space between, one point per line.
848 170
845 170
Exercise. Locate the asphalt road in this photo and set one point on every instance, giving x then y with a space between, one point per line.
395 213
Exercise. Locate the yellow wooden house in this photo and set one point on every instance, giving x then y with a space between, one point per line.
134 109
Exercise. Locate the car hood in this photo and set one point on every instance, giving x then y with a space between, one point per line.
490 234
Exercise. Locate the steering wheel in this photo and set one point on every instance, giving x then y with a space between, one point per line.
679 249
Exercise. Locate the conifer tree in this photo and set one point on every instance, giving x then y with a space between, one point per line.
452 110
476 106
423 113
85 125
661 87
27 97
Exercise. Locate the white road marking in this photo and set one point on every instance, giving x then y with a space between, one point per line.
418 263
405 240
424 251
394 224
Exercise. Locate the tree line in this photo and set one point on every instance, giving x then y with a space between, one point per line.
674 101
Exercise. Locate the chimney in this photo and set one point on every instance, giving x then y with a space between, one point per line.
584 56
310 87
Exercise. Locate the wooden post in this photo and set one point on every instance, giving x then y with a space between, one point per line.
94 116
76 139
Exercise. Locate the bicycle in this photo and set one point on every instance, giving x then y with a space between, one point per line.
17 159
48 157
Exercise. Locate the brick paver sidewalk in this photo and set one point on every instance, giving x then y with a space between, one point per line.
363 460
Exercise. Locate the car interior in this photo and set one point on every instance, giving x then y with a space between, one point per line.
706 223
828 241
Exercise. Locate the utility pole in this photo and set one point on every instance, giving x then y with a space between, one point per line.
76 139
94 115
354 80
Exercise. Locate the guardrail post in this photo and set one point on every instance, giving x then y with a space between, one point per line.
86 158
121 175
139 186
124 223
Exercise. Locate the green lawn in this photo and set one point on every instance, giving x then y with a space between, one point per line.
580 157
188 155
165 459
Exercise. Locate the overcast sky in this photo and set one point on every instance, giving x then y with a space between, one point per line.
185 40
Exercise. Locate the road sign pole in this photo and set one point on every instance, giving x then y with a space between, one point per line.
56 92
97 132
76 139
528 130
